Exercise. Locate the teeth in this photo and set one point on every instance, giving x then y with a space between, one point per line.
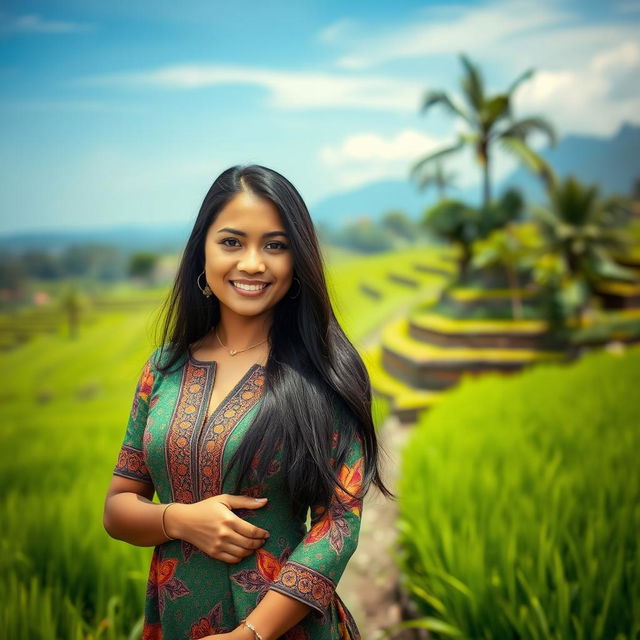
249 287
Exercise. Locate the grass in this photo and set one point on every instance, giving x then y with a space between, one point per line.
64 409
356 311
519 505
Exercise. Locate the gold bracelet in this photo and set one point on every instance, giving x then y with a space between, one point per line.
250 626
163 529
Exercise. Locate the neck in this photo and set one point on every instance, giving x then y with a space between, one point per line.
240 332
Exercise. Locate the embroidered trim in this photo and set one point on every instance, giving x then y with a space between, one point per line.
183 453
305 584
181 430
215 437
131 465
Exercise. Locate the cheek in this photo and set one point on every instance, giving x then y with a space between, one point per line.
286 271
217 262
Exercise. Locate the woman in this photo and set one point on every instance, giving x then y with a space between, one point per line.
255 409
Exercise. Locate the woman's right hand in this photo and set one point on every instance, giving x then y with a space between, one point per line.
211 526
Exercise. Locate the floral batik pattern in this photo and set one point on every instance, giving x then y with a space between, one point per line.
173 444
131 463
313 569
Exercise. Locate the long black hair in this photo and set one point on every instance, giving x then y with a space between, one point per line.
314 378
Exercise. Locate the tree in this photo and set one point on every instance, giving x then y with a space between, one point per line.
489 119
365 236
399 224
142 265
583 231
72 303
434 176
455 222
463 225
511 247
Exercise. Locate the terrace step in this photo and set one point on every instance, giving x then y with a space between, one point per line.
440 330
433 367
405 401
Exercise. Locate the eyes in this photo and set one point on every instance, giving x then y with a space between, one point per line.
278 245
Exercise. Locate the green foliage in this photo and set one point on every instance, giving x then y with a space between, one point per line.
62 416
398 224
64 408
435 176
142 264
489 120
463 225
519 505
354 309
582 233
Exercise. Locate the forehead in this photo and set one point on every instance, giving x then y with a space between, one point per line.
247 209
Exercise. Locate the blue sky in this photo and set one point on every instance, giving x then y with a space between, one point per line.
124 112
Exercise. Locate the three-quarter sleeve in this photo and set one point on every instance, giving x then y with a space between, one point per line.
312 571
131 462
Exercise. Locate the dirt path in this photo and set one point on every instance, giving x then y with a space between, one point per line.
369 585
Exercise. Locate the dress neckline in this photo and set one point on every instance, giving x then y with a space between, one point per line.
239 385
209 363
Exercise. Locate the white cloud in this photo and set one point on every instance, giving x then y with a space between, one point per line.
287 89
457 29
368 156
587 74
34 23
590 100
336 31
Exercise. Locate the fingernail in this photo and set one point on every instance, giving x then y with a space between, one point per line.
260 499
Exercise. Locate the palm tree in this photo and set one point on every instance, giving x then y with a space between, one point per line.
512 247
489 119
583 231
437 177
457 223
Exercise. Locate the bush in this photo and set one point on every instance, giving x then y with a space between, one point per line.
519 503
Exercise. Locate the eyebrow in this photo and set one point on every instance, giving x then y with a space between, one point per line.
269 234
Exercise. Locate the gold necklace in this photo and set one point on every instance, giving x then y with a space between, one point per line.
232 352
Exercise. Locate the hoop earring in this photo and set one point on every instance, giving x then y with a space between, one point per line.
207 289
299 289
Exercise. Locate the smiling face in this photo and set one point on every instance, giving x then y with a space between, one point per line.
248 262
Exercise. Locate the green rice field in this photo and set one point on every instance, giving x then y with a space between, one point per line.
65 405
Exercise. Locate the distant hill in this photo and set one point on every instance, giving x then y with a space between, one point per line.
164 238
614 163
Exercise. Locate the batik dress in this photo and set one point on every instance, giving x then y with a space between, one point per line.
171 444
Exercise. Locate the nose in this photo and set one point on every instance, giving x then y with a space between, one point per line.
251 262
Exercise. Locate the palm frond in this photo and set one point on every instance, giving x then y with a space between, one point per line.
493 110
521 78
435 156
432 98
472 84
529 158
522 128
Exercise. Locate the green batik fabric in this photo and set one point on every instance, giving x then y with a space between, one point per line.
171 444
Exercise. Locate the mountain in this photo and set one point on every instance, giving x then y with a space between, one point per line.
614 163
165 238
